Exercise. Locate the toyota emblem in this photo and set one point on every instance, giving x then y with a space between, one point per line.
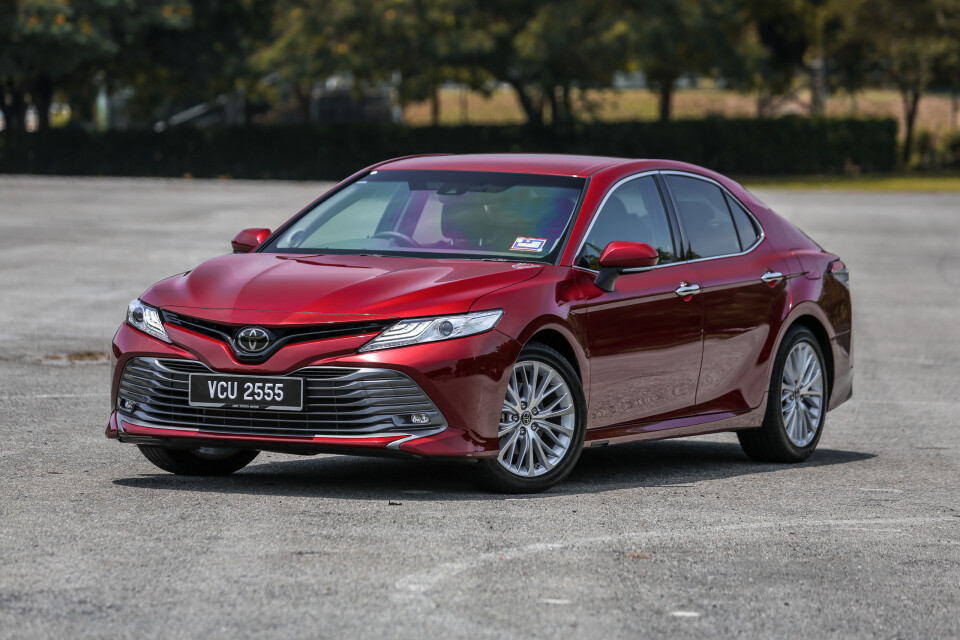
253 339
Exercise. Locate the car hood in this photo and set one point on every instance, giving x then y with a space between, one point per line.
273 288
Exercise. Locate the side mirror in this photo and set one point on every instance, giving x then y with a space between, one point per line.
249 239
622 257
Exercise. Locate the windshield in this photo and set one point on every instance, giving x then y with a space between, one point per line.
453 214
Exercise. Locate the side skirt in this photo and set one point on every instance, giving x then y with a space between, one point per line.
677 427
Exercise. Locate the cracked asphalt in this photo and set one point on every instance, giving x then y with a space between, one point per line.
684 538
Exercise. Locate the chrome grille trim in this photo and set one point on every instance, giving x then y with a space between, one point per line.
338 401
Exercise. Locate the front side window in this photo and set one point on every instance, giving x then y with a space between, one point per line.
706 219
454 214
633 212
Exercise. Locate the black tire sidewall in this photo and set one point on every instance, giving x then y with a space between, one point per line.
184 462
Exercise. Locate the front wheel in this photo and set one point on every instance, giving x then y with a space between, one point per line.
542 424
796 403
204 461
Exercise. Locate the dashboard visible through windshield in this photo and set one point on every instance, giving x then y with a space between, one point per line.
443 214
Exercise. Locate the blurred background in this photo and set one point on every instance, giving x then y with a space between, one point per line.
315 90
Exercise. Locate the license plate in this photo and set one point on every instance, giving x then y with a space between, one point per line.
246 392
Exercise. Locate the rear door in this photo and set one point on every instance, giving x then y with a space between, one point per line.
643 339
743 291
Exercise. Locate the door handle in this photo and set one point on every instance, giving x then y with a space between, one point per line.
772 277
686 290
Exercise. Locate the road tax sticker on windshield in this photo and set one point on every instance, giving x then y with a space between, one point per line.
528 244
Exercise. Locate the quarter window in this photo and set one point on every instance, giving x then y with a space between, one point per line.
746 228
633 212
707 223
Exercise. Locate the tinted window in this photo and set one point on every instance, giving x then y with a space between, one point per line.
746 228
633 212
481 215
706 219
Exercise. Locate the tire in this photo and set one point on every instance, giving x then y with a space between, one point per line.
791 436
537 452
198 462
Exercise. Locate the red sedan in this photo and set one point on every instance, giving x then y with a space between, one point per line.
507 310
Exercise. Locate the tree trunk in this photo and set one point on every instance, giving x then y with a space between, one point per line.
555 117
301 91
533 112
911 102
817 91
435 106
666 98
43 98
567 109
15 110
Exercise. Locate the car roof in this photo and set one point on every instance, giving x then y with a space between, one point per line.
539 163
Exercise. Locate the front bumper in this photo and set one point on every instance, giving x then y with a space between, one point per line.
460 385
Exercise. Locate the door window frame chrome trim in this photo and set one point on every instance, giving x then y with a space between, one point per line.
687 174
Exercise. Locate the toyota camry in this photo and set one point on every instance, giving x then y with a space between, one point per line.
508 311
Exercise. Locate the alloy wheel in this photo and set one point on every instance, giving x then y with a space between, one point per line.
537 421
801 394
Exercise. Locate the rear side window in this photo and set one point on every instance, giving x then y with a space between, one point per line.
709 227
746 228
633 212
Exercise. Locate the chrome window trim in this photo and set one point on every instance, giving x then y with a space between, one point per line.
687 174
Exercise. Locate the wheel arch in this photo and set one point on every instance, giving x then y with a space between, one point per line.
559 343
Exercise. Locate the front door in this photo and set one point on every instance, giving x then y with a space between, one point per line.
643 339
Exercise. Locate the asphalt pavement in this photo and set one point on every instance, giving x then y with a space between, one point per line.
684 538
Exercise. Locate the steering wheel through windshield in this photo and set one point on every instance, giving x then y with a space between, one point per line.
402 238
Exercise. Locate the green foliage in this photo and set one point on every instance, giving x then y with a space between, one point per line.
781 146
949 154
910 45
67 42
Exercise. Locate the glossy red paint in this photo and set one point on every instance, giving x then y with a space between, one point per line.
354 287
653 364
629 254
741 316
249 239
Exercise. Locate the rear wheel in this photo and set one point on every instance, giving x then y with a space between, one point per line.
204 461
542 424
796 403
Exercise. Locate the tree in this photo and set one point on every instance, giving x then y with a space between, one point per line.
672 38
772 49
908 44
55 42
312 41
544 50
171 68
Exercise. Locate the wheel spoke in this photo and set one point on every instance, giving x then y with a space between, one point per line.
556 402
513 394
552 426
542 449
508 447
540 391
556 414
528 448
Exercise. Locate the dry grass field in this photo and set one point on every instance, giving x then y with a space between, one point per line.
460 107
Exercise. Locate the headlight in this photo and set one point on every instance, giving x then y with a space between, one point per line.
419 330
147 319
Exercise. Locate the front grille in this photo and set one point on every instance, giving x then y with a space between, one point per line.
281 335
337 401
